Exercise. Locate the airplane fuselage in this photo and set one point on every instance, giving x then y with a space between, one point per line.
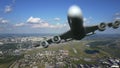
75 21
77 29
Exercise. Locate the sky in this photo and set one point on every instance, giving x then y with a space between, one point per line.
50 16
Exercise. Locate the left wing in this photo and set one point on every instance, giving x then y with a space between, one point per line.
101 27
56 39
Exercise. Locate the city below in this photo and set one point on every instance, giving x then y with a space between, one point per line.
98 51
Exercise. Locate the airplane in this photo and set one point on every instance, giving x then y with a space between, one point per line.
77 30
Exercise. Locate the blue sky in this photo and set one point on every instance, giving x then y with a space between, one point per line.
50 16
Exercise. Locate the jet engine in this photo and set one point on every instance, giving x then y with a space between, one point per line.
56 39
101 26
45 44
116 24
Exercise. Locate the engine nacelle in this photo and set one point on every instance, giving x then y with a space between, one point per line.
45 44
116 24
56 39
101 26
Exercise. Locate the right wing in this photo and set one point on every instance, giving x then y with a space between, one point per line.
101 27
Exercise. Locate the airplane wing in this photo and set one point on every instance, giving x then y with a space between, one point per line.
67 36
101 27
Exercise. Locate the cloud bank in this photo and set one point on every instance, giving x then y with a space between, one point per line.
40 23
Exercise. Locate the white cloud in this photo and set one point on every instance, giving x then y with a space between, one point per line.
87 21
8 9
34 20
41 25
19 24
47 25
57 19
117 16
3 21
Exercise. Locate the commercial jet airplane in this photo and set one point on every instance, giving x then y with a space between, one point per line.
77 30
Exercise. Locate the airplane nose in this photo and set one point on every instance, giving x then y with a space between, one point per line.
74 11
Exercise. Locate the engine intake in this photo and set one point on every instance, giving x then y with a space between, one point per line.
116 24
56 39
102 26
45 44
